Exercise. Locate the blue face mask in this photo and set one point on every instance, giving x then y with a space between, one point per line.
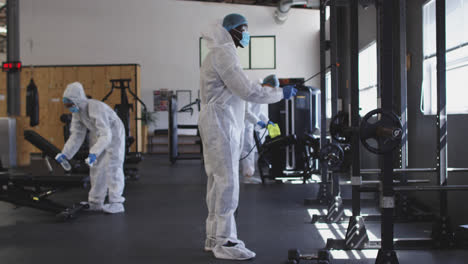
74 109
245 38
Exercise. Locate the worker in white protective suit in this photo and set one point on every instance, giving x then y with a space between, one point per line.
254 120
224 90
107 147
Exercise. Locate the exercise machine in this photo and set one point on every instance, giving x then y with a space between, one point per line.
123 111
292 161
174 127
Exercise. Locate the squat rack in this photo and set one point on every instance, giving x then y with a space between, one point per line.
391 18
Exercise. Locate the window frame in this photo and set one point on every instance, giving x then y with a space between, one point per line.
250 52
427 84
376 84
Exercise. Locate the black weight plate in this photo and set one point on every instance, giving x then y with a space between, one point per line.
339 126
332 156
380 143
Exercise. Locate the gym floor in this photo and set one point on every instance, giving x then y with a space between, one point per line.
164 223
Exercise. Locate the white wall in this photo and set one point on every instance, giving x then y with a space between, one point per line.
162 36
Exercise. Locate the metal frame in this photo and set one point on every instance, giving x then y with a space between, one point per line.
442 136
354 62
324 192
403 84
189 92
334 59
334 62
13 54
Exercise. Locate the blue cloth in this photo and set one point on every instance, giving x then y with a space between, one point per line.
271 80
233 20
289 91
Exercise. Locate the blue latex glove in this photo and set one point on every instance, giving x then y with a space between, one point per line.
270 123
271 80
289 91
91 160
261 124
61 158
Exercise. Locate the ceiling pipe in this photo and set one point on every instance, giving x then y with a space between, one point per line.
281 13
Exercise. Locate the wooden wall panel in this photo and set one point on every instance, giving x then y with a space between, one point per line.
3 102
101 85
144 138
22 146
51 82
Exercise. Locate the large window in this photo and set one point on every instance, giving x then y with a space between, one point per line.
260 54
328 89
368 79
456 57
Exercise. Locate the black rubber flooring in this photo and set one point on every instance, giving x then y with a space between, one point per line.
164 223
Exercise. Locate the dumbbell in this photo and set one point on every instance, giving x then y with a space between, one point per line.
295 256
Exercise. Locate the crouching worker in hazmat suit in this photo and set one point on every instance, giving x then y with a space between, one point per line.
107 147
254 120
224 90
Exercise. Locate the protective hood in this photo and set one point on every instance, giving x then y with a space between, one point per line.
76 94
217 36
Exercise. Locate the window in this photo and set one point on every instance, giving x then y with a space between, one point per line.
456 57
260 54
328 89
368 79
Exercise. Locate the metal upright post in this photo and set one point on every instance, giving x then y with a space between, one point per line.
385 12
441 103
401 72
13 55
334 77
335 212
403 84
356 166
442 234
356 234
334 60
324 193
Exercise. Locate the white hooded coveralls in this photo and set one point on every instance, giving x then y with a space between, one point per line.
253 114
107 142
224 90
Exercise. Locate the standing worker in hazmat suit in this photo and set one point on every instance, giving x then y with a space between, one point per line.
107 147
254 120
224 90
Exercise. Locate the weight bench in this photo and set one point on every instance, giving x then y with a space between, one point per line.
34 192
49 151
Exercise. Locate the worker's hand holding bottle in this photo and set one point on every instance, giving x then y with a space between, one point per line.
63 160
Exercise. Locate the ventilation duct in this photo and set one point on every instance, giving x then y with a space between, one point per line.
281 14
